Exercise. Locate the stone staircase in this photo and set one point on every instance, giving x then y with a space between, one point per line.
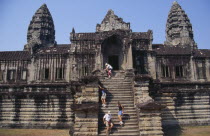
119 89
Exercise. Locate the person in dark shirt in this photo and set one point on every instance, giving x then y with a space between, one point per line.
120 112
103 96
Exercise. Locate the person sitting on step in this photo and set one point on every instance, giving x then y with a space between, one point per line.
120 112
108 69
103 96
108 122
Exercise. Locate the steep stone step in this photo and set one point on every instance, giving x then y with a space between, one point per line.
126 124
112 104
119 89
116 108
116 111
120 83
116 114
113 111
120 96
122 130
121 134
84 133
152 132
115 81
120 127
115 100
115 85
132 118
114 89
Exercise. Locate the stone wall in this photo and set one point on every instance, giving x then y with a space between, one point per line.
36 107
149 111
86 120
150 123
86 110
186 104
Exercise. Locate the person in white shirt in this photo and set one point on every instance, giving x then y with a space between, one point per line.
108 69
107 120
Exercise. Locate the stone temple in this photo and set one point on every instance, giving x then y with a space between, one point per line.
162 86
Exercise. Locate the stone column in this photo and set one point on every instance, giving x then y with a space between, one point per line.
192 69
151 65
207 69
31 71
67 70
73 68
129 58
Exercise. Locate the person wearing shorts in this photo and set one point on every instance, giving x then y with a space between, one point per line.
103 96
108 69
107 121
120 113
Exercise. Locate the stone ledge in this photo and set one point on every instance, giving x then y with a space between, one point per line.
85 107
150 105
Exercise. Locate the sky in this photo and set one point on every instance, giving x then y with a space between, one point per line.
83 15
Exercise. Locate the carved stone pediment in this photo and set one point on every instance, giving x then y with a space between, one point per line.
112 22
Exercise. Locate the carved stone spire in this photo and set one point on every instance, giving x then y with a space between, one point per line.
112 22
73 31
178 27
72 34
41 29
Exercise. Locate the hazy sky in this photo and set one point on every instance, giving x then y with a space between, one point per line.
83 15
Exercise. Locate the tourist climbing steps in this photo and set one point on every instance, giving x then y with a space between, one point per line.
119 89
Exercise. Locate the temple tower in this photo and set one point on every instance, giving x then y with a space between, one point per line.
178 28
41 30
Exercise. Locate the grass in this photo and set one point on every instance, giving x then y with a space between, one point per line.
186 131
196 131
34 132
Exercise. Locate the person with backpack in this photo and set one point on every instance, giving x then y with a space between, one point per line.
108 69
103 96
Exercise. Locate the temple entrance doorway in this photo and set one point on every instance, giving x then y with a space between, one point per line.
112 52
114 61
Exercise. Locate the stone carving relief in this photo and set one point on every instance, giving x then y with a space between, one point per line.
112 22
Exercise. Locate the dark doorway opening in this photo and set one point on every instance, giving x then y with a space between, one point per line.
114 62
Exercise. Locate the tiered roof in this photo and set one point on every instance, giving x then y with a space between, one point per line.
41 29
178 27
173 50
14 55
